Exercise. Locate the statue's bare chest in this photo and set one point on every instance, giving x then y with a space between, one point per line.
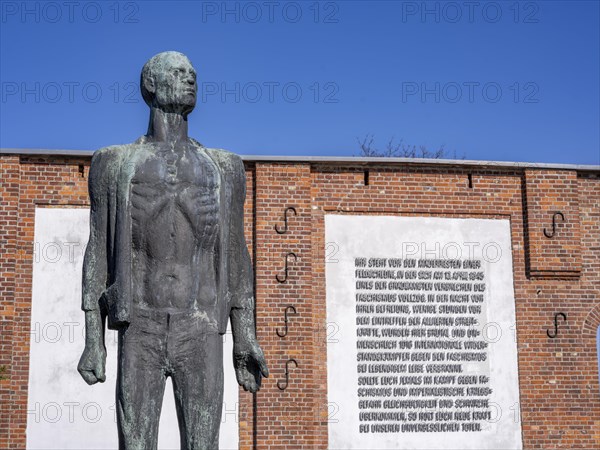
174 182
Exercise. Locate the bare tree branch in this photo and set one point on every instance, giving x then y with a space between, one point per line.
399 150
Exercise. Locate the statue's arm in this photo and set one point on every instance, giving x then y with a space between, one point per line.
241 277
249 360
92 363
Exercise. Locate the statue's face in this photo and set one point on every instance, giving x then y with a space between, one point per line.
175 85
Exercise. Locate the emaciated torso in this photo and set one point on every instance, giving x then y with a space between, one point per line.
174 201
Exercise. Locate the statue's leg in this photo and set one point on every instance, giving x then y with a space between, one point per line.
198 386
140 386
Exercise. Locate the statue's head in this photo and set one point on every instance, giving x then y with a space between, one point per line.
168 82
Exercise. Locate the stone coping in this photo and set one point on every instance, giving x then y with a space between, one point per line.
348 160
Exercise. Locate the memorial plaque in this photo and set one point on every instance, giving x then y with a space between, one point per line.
422 351
63 412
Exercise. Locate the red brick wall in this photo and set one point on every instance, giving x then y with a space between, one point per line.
559 390
9 199
550 193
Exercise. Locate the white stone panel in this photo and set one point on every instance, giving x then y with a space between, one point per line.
63 411
349 237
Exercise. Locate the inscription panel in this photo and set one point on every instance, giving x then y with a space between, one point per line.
425 349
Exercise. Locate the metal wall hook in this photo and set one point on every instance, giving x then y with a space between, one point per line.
285 320
564 316
554 216
286 267
285 219
283 386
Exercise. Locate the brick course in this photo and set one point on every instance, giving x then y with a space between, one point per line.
559 389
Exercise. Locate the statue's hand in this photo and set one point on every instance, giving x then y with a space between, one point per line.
250 365
92 365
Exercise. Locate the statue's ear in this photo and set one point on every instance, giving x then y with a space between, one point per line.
149 85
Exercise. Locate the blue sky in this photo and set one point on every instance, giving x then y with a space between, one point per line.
505 80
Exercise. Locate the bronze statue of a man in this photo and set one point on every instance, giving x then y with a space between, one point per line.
167 264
